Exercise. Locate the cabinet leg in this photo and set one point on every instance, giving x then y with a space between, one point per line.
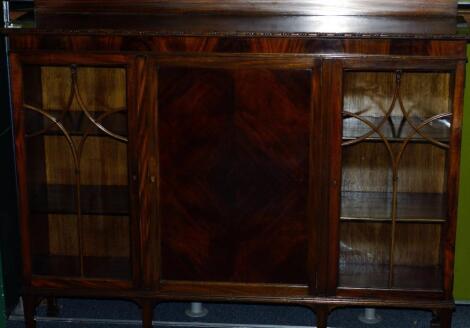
322 317
52 307
147 314
442 318
29 309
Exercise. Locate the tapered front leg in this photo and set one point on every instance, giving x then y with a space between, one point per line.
52 307
442 318
147 313
322 313
29 309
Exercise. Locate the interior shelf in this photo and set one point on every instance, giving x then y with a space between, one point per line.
412 277
363 275
93 266
395 129
377 275
377 206
95 200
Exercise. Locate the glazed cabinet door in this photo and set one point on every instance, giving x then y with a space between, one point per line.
237 147
72 117
395 207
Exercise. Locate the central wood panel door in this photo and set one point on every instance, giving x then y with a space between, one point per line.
235 159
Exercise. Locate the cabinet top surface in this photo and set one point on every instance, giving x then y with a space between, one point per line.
420 27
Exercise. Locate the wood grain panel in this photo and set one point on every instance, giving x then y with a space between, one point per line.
94 199
109 267
371 93
367 46
225 44
426 94
366 167
423 168
368 93
418 245
100 88
103 161
59 161
234 151
106 236
364 243
63 234
314 7
418 256
57 85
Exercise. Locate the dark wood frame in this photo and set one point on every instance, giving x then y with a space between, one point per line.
17 100
457 69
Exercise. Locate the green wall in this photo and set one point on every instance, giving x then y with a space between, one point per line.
462 260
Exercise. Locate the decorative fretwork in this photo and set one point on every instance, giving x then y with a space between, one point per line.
76 145
397 135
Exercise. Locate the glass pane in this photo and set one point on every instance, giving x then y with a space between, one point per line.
396 106
422 183
366 182
396 128
417 256
76 147
364 254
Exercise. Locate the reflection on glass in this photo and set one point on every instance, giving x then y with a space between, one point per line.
396 129
76 147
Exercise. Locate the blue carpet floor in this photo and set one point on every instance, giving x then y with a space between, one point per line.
237 315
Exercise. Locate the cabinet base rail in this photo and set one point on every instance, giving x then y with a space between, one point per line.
321 306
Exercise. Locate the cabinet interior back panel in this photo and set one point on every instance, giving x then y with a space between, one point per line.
233 174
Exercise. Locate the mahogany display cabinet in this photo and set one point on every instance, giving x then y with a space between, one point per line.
235 151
